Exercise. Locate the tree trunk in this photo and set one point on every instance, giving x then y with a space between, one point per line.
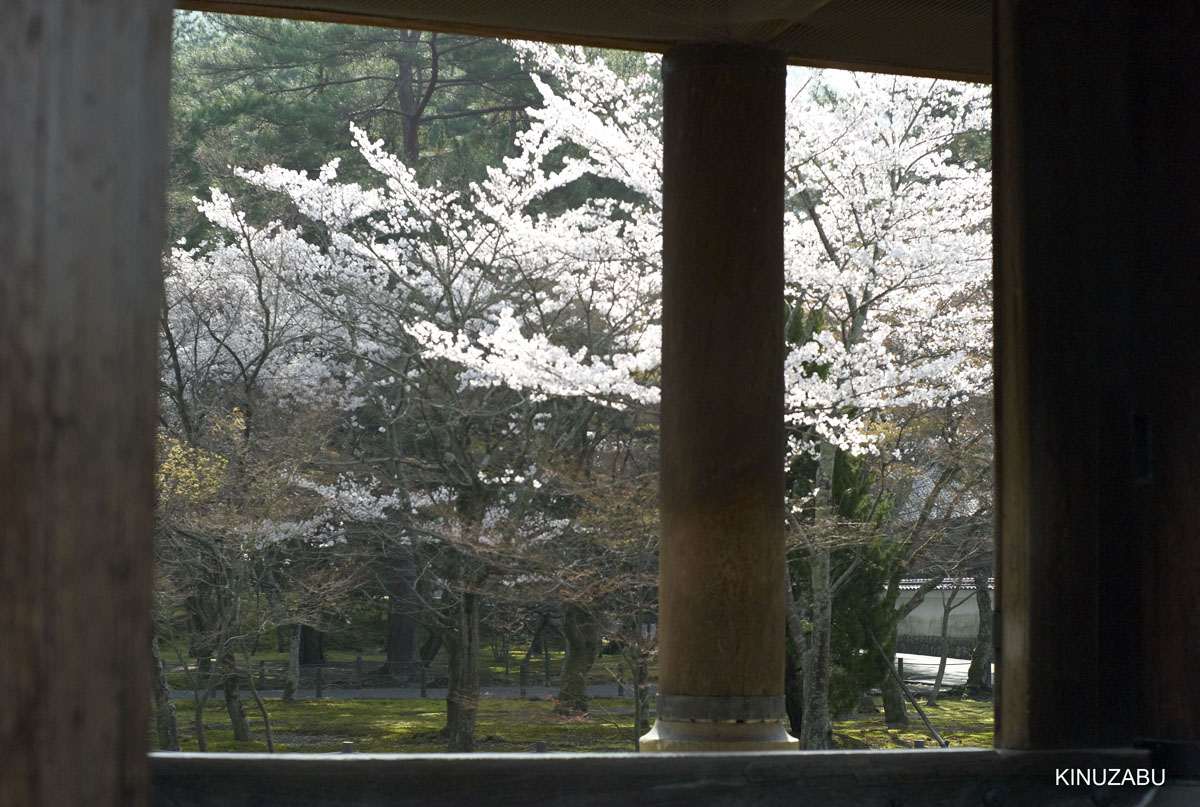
233 700
291 681
262 710
462 694
199 634
198 716
895 710
978 675
816 731
641 700
582 632
403 653
166 721
406 100
431 647
944 649
793 680
312 645
539 644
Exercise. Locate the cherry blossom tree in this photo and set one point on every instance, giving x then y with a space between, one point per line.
396 278
887 259
481 341
888 268
249 534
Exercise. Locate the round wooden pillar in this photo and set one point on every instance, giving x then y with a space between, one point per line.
721 590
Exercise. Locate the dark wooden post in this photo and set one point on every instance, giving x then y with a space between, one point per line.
721 584
84 88
642 695
1097 112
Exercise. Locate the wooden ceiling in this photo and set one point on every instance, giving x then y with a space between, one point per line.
942 38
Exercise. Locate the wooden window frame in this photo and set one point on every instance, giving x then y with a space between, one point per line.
80 217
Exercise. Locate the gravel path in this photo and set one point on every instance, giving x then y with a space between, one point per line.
923 669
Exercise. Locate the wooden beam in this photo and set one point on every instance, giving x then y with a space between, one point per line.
928 777
1164 179
84 91
1096 165
944 39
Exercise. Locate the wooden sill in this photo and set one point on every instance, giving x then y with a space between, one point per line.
917 778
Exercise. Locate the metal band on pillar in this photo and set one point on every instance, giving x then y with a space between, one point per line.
722 709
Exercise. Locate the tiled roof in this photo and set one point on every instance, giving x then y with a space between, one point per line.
960 583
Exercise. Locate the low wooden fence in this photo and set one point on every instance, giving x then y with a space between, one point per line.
363 673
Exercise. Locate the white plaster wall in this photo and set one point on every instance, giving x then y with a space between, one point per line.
926 619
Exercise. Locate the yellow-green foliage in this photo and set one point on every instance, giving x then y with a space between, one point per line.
188 473
191 475
231 427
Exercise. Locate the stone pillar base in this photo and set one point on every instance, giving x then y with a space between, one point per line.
688 736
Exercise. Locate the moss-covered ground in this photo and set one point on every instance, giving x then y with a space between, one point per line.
413 726
960 722
399 726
